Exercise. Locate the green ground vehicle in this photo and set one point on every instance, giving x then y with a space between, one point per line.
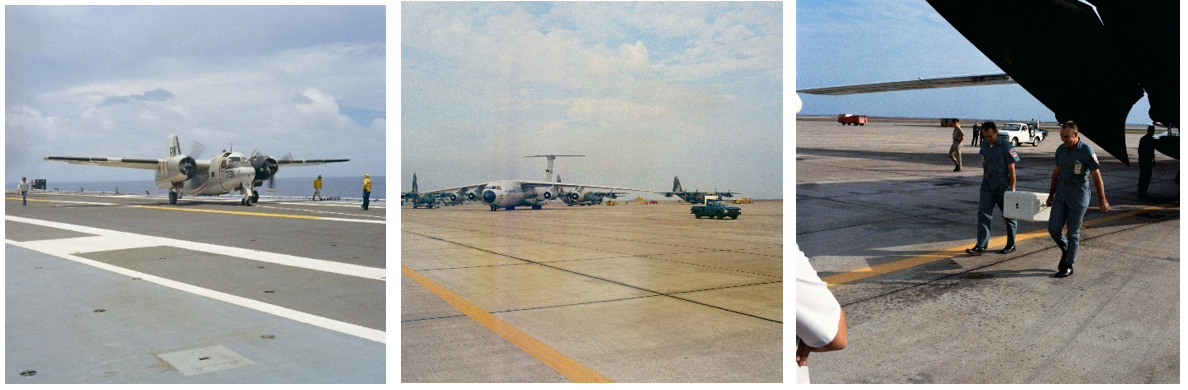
715 207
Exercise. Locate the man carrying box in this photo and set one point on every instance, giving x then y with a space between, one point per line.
1069 194
998 176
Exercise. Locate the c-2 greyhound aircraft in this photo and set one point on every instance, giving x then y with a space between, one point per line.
224 173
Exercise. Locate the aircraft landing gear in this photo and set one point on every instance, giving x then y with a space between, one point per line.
536 207
248 194
493 207
173 197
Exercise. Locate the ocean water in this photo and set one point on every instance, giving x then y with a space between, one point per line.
346 187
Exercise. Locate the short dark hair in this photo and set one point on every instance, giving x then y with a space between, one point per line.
1069 125
989 125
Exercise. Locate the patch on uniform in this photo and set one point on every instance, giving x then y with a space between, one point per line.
1013 154
1077 168
1094 158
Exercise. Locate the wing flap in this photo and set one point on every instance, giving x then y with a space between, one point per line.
136 163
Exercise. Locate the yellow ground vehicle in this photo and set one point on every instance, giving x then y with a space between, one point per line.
744 201
612 202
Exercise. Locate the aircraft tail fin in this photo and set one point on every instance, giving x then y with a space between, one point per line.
414 186
676 184
174 146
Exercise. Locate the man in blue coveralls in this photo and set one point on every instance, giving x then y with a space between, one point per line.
1069 194
998 176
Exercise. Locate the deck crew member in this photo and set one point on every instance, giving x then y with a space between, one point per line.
366 190
955 150
317 189
1069 194
998 177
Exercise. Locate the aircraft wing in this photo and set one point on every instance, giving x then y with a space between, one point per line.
476 188
533 184
137 163
300 163
944 82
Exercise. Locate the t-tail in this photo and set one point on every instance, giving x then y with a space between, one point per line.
414 186
174 146
676 184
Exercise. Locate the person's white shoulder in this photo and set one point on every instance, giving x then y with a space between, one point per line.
817 310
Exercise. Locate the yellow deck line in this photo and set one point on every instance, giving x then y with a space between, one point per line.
231 212
949 253
563 364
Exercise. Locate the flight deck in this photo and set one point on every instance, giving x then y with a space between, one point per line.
129 289
624 293
884 220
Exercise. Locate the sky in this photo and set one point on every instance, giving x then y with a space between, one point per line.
646 91
855 42
116 81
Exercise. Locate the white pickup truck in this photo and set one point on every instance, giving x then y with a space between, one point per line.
1017 133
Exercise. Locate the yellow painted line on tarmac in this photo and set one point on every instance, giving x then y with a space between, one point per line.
564 365
231 212
949 253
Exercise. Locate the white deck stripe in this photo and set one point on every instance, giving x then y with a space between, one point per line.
322 322
114 239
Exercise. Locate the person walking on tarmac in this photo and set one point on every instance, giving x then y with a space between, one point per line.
366 190
998 176
977 135
317 189
23 188
1069 194
1146 151
955 150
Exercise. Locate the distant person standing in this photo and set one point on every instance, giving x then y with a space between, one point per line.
317 189
955 150
23 188
998 176
1146 151
1069 194
366 190
977 135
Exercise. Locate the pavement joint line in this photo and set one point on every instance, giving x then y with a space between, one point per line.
598 278
563 364
379 336
949 253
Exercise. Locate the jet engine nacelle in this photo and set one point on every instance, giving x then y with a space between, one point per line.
546 193
574 195
177 169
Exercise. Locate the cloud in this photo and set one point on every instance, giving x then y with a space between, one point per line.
156 95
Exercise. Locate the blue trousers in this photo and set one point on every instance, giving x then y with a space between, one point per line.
989 198
24 198
1064 214
366 199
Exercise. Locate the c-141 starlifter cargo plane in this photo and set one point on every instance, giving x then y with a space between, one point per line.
224 173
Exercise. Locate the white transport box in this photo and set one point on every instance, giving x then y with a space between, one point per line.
1025 206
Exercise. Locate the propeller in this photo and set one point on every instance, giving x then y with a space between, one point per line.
265 167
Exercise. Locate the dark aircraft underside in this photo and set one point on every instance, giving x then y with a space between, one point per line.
1084 69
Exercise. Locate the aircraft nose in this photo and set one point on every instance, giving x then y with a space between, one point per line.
488 196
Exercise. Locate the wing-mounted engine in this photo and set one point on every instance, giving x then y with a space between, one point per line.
176 169
265 167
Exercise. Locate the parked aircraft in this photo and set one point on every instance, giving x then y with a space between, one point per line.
694 197
419 199
1087 63
224 173
509 194
586 199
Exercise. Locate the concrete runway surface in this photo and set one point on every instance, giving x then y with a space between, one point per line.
127 289
885 221
626 293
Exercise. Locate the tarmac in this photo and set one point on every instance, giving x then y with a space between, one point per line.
128 289
884 219
625 293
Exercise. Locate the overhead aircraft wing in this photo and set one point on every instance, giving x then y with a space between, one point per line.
300 163
137 163
944 82
533 184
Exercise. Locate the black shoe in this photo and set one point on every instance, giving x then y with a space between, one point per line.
1007 250
975 251
958 169
1064 272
